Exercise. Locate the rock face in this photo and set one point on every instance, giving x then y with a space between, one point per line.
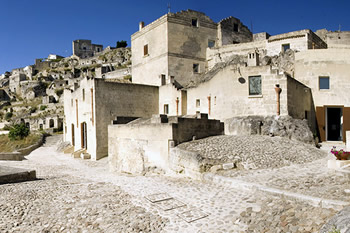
339 223
283 126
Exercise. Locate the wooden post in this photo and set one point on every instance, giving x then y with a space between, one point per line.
177 106
209 97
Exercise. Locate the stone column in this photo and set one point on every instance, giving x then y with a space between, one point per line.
278 92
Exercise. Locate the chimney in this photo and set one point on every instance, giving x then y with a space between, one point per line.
141 25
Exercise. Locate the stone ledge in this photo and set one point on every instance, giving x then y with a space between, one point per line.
314 201
337 164
13 175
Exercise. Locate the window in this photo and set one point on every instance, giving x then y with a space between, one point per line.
163 79
285 47
166 109
198 103
195 22
235 27
83 94
211 43
195 68
255 85
324 83
145 50
98 49
71 102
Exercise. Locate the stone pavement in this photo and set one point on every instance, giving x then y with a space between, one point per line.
74 195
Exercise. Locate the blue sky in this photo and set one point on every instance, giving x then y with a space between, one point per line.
32 29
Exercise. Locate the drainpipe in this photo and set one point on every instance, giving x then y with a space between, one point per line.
209 104
177 106
92 106
278 92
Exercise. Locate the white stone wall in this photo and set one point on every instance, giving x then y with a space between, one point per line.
132 148
222 54
72 99
147 69
168 94
110 99
229 97
334 63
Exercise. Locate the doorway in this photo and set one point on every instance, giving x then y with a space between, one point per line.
73 137
83 135
334 126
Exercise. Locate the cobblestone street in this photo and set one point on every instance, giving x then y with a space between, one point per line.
74 195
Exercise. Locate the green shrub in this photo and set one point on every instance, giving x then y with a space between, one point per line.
8 115
33 110
122 44
43 107
18 131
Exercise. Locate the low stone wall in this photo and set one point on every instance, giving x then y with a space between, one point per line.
19 155
283 126
143 143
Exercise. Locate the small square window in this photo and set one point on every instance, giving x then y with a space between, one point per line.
163 79
195 68
166 109
195 22
255 85
324 83
198 103
145 50
285 47
211 43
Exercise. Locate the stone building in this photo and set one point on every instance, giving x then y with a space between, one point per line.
15 79
326 72
174 46
93 104
85 49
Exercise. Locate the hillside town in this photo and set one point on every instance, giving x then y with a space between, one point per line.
194 103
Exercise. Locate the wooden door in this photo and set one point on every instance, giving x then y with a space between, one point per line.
321 123
73 138
346 121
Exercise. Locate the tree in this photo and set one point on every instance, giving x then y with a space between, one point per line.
18 131
122 44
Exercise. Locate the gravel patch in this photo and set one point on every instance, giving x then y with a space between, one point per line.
281 215
67 204
255 151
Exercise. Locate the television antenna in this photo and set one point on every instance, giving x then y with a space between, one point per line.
169 7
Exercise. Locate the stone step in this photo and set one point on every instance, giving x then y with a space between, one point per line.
76 154
85 155
68 150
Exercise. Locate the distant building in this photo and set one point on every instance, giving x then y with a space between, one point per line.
85 49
